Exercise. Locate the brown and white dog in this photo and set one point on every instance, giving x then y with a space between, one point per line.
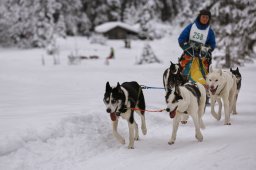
222 85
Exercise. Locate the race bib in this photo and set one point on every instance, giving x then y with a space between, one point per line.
198 35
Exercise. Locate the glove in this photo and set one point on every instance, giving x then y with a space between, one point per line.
185 46
206 51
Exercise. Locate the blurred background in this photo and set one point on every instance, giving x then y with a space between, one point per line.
37 23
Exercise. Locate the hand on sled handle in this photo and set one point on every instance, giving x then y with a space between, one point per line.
206 51
185 46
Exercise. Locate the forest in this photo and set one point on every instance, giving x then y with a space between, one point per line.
35 23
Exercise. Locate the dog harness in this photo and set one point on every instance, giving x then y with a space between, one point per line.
193 88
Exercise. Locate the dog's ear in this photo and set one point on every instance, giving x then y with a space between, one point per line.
171 66
119 87
230 69
210 69
108 87
237 69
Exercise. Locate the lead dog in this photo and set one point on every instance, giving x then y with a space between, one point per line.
172 77
189 100
119 100
222 85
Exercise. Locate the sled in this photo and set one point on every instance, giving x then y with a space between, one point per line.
195 68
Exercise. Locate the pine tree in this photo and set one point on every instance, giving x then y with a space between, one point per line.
235 25
148 55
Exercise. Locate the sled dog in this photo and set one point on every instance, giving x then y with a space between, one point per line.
222 85
189 100
238 83
169 77
119 100
173 77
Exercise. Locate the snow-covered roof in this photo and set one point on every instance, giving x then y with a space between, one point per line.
110 25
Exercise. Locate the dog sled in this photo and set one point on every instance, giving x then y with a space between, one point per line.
195 63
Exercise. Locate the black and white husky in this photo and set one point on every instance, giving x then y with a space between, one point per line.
119 100
172 77
169 77
187 100
238 83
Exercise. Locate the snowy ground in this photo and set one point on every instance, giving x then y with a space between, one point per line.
53 117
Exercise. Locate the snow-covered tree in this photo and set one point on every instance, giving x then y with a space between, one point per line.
148 55
114 10
28 23
235 25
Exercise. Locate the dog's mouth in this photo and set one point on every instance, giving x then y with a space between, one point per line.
114 114
173 113
213 91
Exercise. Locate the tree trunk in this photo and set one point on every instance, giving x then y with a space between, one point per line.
227 58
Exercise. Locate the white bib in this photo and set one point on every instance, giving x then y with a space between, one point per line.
198 35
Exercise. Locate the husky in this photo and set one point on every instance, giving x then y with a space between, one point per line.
222 85
119 100
172 77
238 83
169 78
187 100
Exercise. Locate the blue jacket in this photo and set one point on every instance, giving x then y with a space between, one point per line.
184 36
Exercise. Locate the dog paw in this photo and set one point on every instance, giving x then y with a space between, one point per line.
218 118
199 137
130 147
227 123
171 142
136 138
122 141
144 131
184 122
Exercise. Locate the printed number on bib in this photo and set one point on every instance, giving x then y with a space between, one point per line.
198 36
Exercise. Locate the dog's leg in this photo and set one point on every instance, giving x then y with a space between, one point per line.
184 119
136 131
226 110
143 123
176 122
220 108
234 106
131 135
202 110
200 115
115 133
214 114
196 120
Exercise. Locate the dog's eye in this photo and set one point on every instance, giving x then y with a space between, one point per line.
216 80
106 100
113 101
210 80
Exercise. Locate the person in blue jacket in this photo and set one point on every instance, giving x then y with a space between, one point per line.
197 41
198 34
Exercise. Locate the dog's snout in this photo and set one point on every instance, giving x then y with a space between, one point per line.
108 110
168 109
211 87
